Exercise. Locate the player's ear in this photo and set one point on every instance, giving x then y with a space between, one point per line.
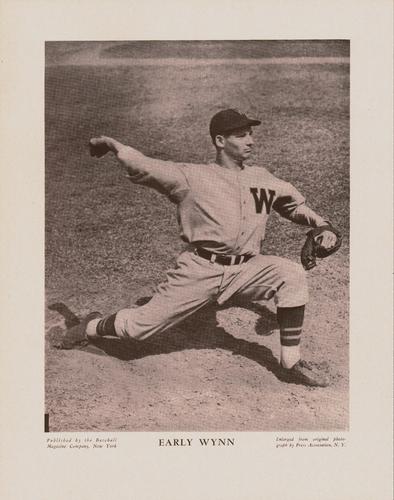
219 141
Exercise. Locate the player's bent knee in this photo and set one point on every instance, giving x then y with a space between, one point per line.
299 274
293 272
294 291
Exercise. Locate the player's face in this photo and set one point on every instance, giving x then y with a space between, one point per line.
239 144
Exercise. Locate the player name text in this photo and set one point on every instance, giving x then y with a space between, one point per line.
207 442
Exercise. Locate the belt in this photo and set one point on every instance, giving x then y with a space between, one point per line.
224 260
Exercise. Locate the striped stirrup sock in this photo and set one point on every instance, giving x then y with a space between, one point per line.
290 321
106 326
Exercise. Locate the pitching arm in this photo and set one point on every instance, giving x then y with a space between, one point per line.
164 176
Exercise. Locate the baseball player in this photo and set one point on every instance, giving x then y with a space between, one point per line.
222 211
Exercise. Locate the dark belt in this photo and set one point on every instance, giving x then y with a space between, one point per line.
223 260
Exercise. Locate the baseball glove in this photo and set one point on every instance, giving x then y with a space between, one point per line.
313 248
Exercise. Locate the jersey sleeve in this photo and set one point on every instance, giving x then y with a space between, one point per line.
289 198
166 177
291 205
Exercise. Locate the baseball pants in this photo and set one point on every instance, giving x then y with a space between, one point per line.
195 282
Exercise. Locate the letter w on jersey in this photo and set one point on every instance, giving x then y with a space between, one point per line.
262 199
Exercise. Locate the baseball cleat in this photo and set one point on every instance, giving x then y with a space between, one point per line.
76 336
303 373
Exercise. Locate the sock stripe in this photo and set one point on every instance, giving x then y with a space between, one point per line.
106 326
290 342
290 337
289 332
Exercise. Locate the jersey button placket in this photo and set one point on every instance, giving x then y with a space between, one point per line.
237 245
243 214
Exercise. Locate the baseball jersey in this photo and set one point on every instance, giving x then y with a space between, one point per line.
219 209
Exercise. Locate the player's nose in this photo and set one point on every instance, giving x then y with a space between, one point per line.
249 140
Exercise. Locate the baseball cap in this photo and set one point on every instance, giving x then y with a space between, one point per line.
228 120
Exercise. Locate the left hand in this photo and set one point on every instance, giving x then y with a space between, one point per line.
320 242
326 239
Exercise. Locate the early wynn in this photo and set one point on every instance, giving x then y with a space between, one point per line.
208 442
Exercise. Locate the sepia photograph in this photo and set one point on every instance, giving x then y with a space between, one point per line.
197 229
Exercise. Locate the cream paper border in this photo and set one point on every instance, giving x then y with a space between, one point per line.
138 469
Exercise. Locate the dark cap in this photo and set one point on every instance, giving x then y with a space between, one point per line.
228 120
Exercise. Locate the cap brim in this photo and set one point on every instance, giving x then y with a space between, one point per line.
248 123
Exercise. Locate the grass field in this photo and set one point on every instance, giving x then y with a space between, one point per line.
108 242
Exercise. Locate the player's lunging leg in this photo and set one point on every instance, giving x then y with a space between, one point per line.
265 277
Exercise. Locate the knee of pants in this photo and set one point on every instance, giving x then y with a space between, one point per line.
293 291
137 324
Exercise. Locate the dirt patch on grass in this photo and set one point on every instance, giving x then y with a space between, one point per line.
197 53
